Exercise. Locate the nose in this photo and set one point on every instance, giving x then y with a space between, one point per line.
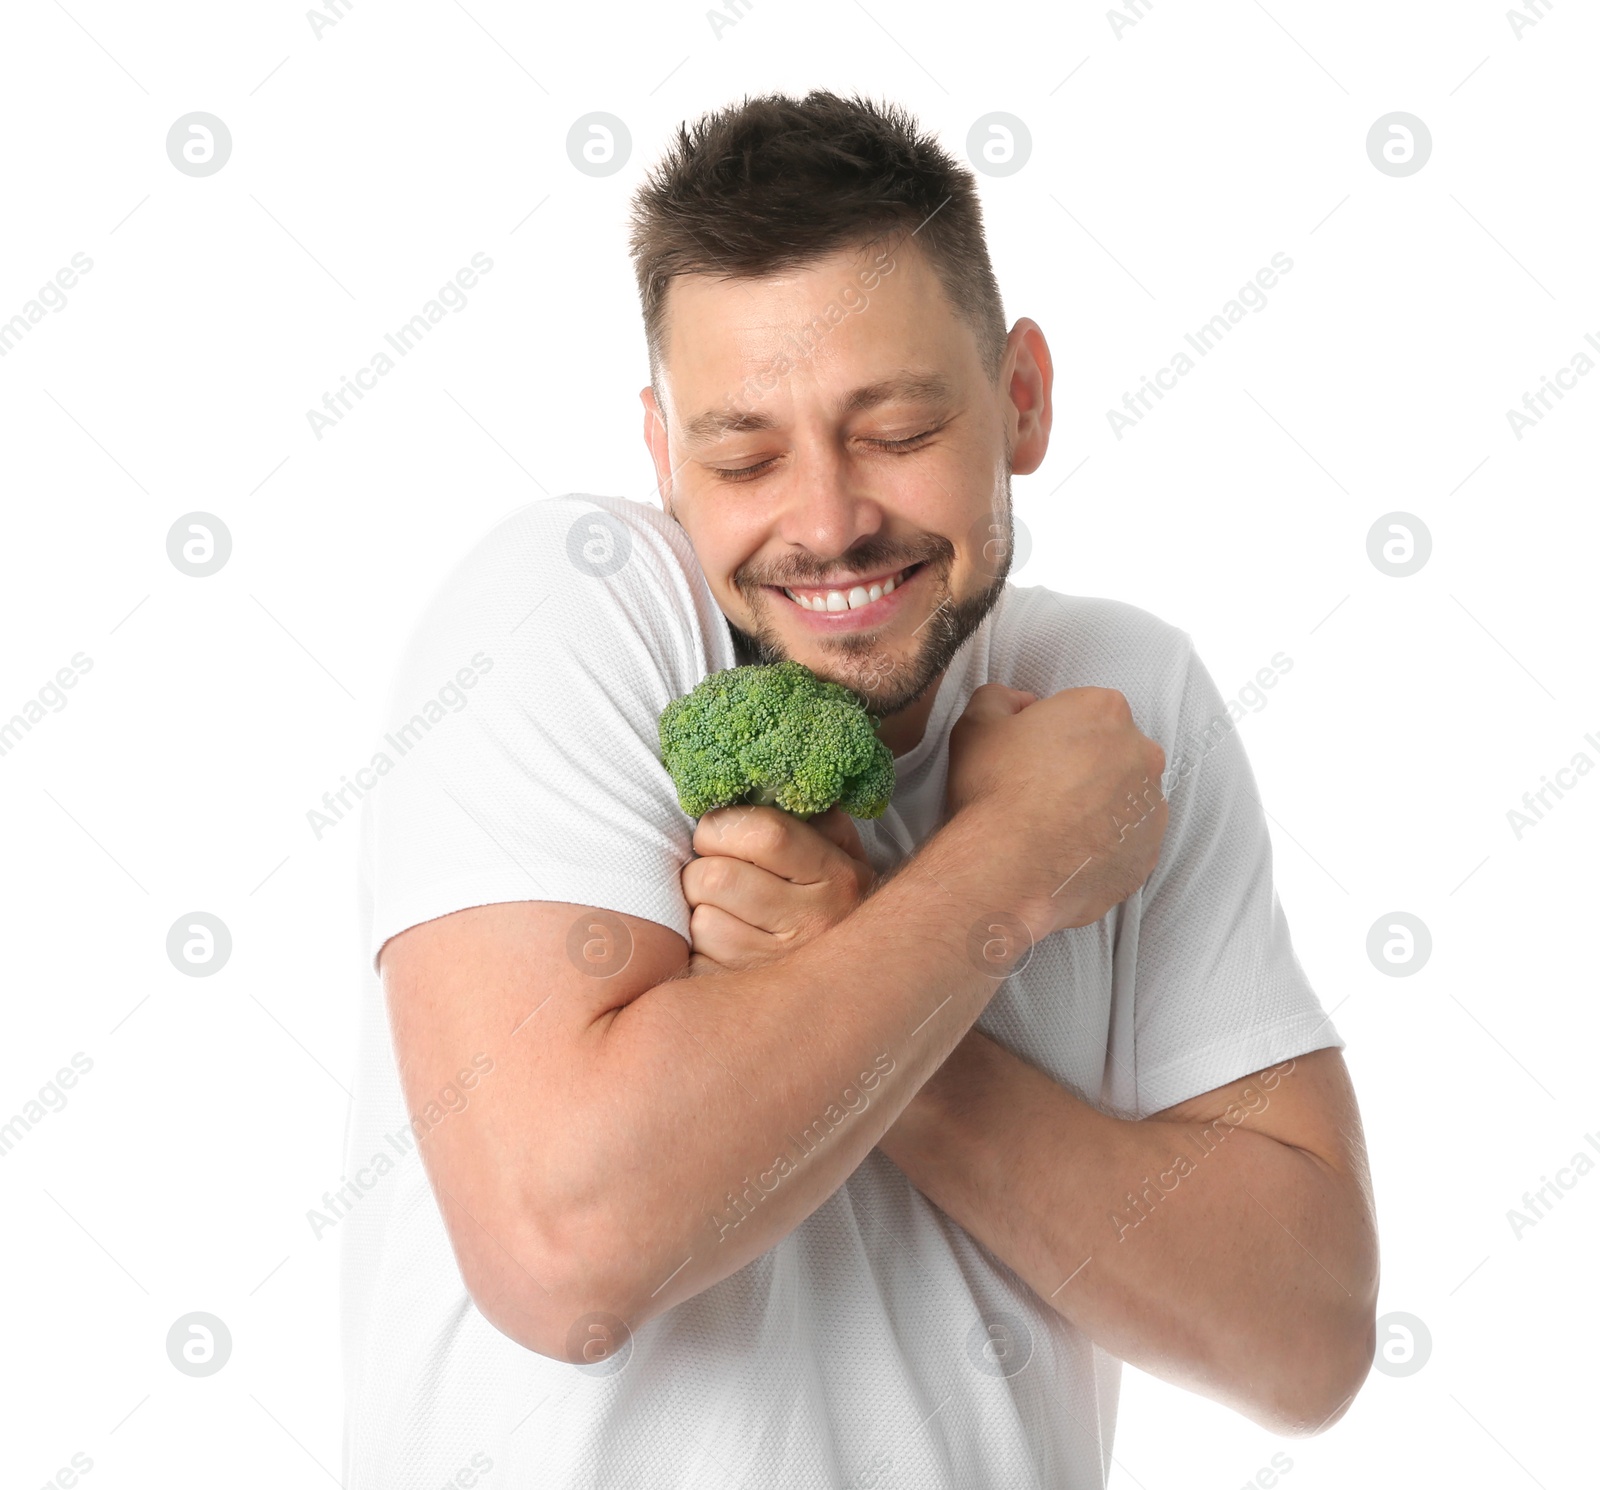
823 509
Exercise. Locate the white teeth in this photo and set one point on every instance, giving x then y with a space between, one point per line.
838 600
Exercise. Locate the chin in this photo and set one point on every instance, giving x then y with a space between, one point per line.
885 680
887 672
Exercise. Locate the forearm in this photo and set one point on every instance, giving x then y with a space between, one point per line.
737 1102
1243 1270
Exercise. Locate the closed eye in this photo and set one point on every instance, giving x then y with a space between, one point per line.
900 447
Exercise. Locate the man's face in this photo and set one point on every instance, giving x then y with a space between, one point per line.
828 432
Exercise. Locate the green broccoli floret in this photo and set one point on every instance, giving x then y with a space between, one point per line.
775 734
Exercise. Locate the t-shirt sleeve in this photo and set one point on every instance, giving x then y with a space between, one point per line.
1209 985
522 757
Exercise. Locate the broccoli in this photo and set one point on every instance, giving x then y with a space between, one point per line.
775 734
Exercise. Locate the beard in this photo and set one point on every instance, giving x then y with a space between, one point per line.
883 682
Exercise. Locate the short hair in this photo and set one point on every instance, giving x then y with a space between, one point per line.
776 183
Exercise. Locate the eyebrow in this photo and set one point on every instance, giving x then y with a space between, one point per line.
906 386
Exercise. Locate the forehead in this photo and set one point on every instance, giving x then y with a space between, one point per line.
855 329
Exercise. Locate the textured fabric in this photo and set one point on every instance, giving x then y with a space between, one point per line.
853 1352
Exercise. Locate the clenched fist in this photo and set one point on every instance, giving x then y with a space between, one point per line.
1068 794
767 882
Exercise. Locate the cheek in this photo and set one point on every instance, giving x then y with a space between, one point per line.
722 554
954 493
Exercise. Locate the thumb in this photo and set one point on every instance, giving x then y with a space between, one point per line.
996 701
839 828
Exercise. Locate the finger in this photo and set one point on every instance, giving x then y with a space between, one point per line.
996 701
717 830
773 840
726 940
756 896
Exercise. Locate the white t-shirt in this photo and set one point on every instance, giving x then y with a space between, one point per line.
877 1344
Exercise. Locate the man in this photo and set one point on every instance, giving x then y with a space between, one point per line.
760 1152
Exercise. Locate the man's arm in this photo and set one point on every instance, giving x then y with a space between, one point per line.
1227 1244
646 1134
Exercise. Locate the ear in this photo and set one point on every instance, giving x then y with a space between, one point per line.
1028 390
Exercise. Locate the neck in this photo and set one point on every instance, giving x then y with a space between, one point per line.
903 732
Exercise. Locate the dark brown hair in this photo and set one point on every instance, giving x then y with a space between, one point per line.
776 183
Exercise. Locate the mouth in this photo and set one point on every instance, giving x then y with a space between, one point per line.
868 601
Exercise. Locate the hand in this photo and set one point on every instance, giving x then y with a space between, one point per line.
768 882
1068 791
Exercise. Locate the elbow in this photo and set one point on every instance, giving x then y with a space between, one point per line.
574 1335
559 1297
1324 1362
1328 1371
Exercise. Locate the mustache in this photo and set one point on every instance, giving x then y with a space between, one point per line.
868 559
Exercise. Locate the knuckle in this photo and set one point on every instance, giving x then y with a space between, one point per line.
769 831
716 877
709 831
979 699
1112 704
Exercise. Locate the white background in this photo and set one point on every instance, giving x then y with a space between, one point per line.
1168 164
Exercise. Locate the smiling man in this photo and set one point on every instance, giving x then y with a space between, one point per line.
767 1152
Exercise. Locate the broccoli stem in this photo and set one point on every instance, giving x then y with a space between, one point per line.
767 796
